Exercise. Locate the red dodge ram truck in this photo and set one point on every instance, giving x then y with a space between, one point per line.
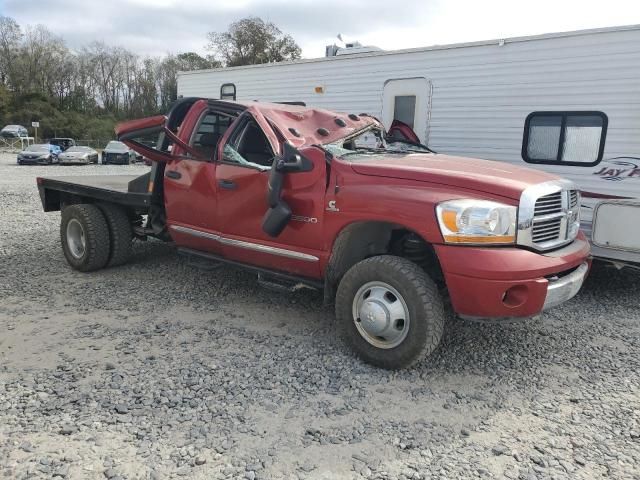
312 198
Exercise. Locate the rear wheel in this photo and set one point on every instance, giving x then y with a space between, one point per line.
120 233
389 311
85 237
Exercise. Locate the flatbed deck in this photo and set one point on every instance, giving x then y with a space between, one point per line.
130 190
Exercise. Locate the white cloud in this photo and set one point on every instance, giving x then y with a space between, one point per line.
153 27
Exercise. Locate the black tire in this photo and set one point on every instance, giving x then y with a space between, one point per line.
120 233
422 299
96 234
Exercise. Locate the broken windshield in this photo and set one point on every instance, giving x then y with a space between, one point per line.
372 140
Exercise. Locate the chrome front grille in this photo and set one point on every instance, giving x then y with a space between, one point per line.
546 230
574 198
549 204
548 216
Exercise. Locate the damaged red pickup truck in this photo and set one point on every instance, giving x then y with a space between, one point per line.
308 197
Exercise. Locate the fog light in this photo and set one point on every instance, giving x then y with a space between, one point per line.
515 296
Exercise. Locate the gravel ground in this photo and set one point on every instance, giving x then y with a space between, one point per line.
159 370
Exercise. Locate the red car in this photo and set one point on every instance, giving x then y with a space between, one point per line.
308 197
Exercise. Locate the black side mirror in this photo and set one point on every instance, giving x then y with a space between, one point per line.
279 213
292 161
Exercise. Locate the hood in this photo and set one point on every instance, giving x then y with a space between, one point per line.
487 176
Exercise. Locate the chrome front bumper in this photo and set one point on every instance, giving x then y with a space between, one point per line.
565 288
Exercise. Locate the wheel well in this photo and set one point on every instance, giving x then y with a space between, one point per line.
362 240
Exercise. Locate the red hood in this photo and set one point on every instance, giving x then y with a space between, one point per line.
482 175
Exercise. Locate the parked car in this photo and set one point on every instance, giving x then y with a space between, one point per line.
14 131
43 153
78 155
117 153
63 143
308 197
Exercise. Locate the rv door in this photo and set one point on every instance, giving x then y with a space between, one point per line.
408 100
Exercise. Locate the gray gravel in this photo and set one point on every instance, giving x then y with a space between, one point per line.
160 370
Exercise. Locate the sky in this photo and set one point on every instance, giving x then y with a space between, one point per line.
157 27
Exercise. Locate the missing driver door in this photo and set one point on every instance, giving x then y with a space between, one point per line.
408 100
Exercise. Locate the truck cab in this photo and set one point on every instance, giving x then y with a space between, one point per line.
309 197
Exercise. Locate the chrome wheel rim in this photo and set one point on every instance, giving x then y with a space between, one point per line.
76 240
381 315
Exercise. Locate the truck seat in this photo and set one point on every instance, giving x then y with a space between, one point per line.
207 143
254 146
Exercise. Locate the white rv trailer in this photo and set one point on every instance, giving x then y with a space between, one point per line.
567 103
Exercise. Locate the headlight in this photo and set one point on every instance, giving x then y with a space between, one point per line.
477 222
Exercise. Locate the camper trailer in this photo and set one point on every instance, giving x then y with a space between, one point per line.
567 103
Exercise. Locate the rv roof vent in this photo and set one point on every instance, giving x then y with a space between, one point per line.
349 49
323 131
340 122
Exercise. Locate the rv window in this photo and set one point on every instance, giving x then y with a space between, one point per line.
582 138
567 138
404 109
228 91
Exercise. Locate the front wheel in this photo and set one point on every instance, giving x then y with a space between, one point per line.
389 311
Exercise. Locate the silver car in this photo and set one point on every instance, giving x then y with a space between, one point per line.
39 154
14 131
78 155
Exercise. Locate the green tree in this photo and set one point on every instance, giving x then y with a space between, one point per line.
167 73
10 38
192 61
251 41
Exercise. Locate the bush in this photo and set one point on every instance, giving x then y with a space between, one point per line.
55 122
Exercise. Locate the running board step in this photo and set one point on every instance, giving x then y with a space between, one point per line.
281 285
267 278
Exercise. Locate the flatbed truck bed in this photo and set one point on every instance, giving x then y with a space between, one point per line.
127 190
